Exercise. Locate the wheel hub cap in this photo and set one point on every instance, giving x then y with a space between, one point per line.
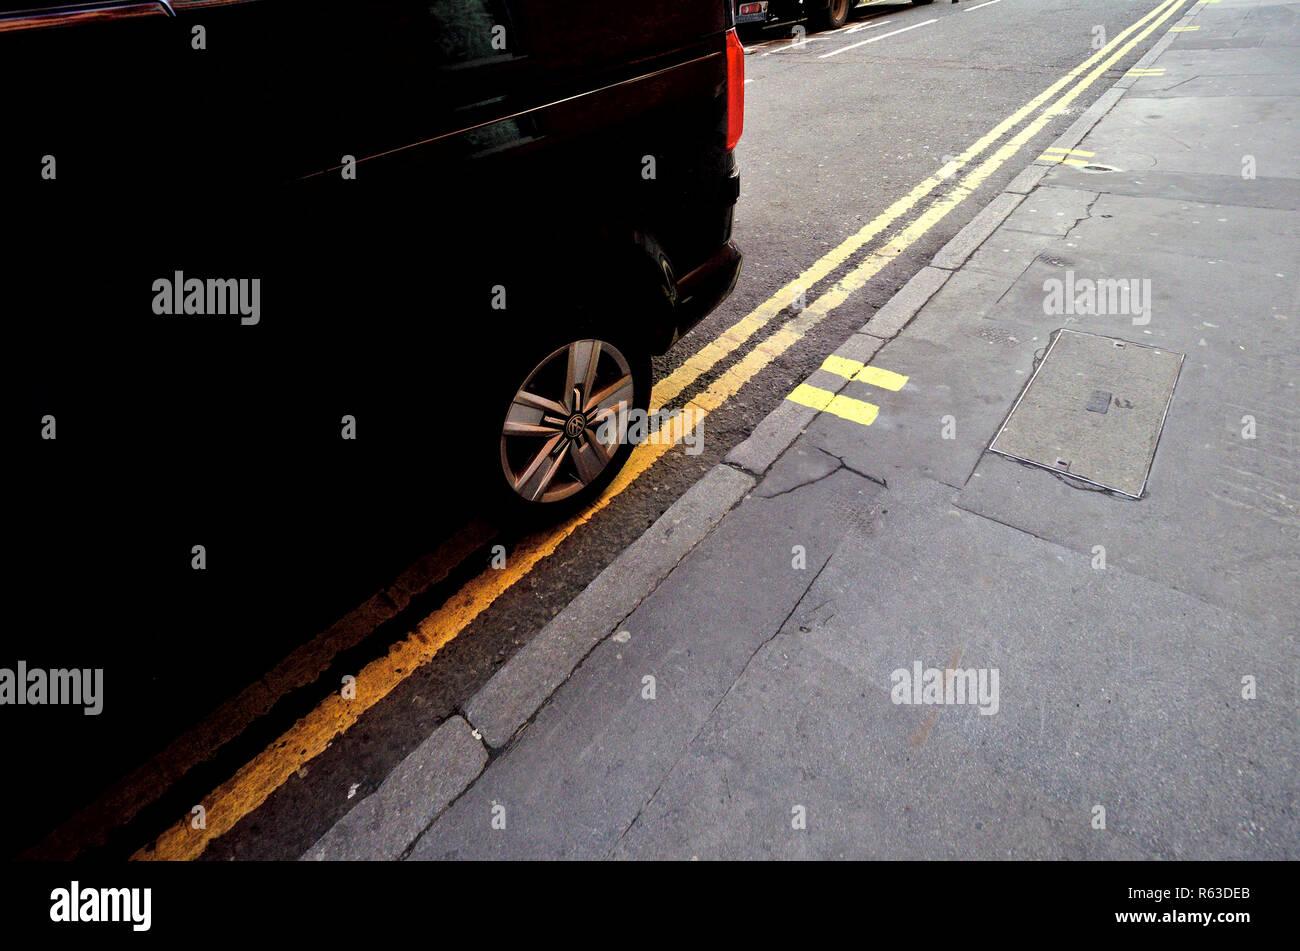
576 424
567 422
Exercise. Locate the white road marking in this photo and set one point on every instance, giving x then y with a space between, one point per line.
882 36
785 43
866 26
979 5
793 45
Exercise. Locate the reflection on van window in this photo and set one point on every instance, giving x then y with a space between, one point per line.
469 30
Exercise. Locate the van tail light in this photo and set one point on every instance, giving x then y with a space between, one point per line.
735 89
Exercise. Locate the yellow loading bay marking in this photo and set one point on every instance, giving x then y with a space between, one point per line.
253 783
1061 156
846 407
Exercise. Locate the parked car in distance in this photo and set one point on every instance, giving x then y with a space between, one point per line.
754 11
820 14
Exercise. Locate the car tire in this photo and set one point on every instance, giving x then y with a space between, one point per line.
921 2
535 415
834 16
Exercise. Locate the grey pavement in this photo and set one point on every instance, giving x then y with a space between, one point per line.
1145 650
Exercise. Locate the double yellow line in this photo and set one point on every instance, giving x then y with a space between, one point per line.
256 780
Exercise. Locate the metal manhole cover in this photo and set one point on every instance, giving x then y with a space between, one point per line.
1094 410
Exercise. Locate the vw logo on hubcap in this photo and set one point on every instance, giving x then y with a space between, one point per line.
575 425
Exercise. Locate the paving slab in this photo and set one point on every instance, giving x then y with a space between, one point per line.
576 777
1113 691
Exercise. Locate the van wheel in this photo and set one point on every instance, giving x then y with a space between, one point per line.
563 434
834 16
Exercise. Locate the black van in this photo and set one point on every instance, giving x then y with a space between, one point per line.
469 223
294 291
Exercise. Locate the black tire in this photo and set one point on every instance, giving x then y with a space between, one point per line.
921 2
834 16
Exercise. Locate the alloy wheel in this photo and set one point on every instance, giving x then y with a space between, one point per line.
568 421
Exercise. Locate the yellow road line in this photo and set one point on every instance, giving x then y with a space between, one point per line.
1061 161
813 396
842 366
1183 29
885 379
855 411
708 356
1071 152
853 369
856 370
256 780
858 411
303 666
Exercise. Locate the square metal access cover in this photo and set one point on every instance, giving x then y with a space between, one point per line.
1093 409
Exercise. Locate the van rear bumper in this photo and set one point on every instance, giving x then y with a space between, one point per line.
700 291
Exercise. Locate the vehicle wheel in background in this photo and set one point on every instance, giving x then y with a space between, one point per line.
834 16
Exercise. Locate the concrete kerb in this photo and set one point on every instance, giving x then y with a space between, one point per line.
526 681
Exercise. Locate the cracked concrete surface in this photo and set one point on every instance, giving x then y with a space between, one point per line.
694 636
